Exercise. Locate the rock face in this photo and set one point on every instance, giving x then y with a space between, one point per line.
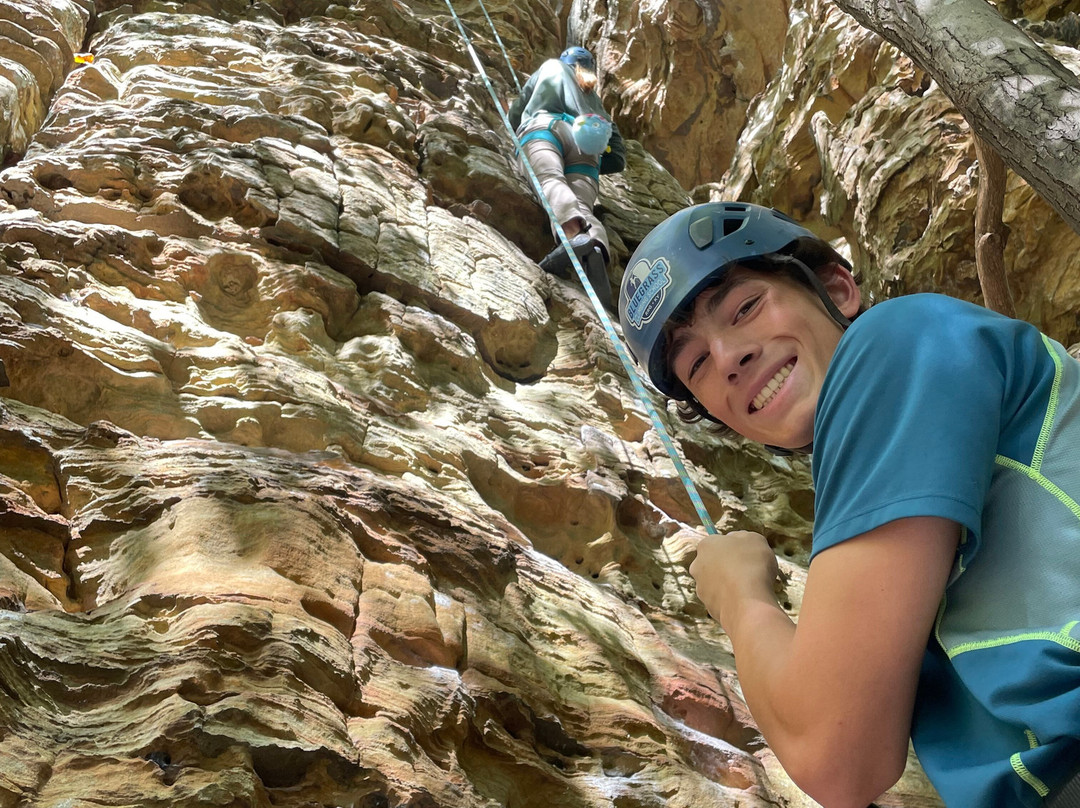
314 488
681 74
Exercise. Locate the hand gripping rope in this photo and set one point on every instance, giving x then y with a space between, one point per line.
609 328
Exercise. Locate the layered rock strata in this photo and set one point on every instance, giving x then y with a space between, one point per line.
314 488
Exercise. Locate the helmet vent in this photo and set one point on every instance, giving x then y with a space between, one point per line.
732 224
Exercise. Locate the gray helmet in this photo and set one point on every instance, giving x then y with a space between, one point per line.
690 251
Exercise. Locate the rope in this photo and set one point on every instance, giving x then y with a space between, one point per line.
506 56
609 328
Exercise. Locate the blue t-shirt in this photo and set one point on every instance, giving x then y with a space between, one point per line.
936 407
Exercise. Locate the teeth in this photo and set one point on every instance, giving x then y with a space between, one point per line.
773 385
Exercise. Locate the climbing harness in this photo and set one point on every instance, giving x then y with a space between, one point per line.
605 320
542 134
590 131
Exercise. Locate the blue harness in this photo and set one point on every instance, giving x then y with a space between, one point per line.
548 135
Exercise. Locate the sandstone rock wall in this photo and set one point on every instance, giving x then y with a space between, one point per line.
37 46
680 74
314 489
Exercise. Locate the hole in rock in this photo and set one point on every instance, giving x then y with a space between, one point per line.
278 767
55 182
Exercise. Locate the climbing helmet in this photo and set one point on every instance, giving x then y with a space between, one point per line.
577 55
691 251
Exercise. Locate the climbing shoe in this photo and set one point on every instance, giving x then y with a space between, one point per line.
596 272
557 262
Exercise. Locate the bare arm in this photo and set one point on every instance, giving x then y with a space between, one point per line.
834 696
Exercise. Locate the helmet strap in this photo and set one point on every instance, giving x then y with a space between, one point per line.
818 287
834 312
699 408
780 451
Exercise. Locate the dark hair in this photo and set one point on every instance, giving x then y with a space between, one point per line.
812 252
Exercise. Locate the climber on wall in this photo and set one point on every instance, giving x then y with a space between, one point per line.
570 141
943 593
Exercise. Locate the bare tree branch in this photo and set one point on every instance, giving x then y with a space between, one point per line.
990 232
1015 95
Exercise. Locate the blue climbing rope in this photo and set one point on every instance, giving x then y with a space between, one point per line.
624 357
506 56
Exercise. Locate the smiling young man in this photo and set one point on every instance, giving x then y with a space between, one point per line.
943 593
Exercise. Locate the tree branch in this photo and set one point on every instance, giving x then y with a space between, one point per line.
990 231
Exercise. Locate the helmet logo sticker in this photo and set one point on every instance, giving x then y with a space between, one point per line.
645 290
